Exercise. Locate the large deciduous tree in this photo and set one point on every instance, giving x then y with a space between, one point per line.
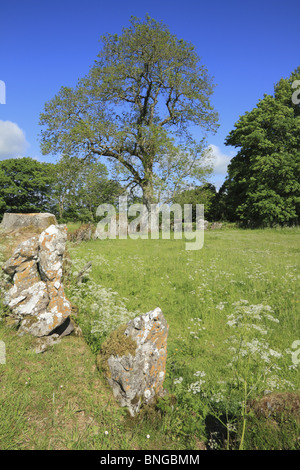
263 182
141 104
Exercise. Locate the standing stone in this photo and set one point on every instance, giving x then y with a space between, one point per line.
134 360
37 299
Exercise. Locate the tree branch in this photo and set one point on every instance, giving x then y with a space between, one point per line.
118 156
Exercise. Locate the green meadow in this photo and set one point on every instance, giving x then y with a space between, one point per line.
232 308
234 329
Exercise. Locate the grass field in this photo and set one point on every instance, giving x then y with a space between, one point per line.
233 311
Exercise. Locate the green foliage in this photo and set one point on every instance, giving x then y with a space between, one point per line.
217 342
273 434
80 187
101 310
205 194
263 182
137 106
71 189
25 185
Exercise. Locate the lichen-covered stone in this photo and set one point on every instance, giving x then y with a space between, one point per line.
52 243
136 376
39 221
31 301
37 298
26 251
117 344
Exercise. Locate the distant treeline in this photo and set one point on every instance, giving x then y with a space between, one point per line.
71 189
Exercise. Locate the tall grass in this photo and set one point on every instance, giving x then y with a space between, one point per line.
233 312
232 307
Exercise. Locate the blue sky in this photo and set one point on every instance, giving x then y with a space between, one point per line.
247 46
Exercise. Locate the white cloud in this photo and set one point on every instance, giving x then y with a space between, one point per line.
12 140
220 160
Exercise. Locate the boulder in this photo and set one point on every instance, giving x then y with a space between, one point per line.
216 225
39 221
133 359
203 223
37 299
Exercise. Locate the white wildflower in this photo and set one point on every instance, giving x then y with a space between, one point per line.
200 373
178 381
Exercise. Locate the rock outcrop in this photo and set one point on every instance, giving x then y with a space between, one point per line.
39 221
37 300
133 359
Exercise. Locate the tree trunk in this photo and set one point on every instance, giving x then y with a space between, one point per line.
148 196
61 207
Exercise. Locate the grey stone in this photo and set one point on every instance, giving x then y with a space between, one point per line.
52 243
203 223
37 299
216 225
137 377
13 221
26 251
45 342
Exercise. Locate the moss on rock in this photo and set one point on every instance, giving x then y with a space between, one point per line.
117 344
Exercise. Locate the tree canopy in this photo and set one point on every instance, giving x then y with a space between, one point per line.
263 182
71 189
25 185
139 106
79 187
205 194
